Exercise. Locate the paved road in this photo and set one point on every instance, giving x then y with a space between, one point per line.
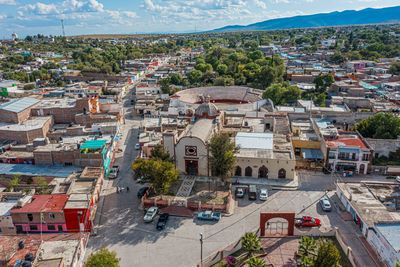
138 244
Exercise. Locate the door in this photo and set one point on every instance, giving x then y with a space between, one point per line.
192 167
60 228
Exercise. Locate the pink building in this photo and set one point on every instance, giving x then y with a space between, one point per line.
43 213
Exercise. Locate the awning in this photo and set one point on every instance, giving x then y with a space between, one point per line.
309 153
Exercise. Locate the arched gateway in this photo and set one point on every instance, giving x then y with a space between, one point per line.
266 216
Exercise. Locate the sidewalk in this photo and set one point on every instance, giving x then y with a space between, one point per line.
281 184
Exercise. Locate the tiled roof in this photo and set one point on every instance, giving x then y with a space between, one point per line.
350 142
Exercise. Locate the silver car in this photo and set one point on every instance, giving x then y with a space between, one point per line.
150 214
263 194
325 204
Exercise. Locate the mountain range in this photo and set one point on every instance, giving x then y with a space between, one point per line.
342 18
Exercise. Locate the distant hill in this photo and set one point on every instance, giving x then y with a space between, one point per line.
348 17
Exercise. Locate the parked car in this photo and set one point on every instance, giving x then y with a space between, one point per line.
114 172
142 191
252 192
209 215
151 213
263 194
398 179
307 221
162 221
240 191
137 146
325 204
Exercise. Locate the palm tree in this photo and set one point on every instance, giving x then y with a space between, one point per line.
307 250
251 243
256 262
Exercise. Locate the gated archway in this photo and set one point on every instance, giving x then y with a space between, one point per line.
238 171
288 216
263 172
248 171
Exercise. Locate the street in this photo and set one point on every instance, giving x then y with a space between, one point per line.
121 227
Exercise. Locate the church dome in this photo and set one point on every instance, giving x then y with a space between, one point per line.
206 110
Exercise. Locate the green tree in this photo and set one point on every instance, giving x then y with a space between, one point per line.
251 243
282 94
256 262
323 82
395 68
160 174
222 155
307 250
14 182
328 255
195 76
165 85
159 152
222 69
380 126
41 182
103 258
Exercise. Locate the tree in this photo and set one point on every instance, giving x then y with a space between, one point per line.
103 258
328 255
323 81
195 76
160 174
165 85
380 126
251 243
222 155
307 250
395 68
41 182
159 152
256 262
282 94
222 69
14 182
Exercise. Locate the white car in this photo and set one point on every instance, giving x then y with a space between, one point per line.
398 179
137 146
263 194
150 214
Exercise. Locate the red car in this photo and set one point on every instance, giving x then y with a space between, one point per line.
307 221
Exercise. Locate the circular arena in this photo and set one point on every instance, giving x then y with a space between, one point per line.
219 95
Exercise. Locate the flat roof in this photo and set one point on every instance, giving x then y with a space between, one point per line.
391 232
31 124
19 104
5 207
44 203
60 249
254 140
37 170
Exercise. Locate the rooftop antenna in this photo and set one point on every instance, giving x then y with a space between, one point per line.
63 29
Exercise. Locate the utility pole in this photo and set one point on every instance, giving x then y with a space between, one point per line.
201 249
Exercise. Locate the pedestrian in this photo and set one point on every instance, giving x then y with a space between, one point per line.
127 189
117 189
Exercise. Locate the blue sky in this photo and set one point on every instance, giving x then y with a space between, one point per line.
26 17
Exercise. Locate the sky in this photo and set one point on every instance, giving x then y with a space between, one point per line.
26 17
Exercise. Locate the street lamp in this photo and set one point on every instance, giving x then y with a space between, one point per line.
201 249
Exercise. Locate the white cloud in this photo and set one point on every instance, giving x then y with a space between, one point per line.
41 9
261 4
8 2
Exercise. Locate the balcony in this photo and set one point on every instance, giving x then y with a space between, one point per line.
348 158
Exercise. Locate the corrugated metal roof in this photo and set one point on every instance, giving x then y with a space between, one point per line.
254 140
19 105
37 170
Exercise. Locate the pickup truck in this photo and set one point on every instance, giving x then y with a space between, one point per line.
209 215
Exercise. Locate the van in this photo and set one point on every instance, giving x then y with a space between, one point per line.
252 192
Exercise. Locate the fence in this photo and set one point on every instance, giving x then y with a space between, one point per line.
182 202
347 250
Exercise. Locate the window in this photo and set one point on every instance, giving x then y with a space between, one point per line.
52 216
33 227
248 171
51 227
365 157
30 217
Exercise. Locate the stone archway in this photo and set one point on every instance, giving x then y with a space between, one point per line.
288 216
248 172
282 174
263 172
